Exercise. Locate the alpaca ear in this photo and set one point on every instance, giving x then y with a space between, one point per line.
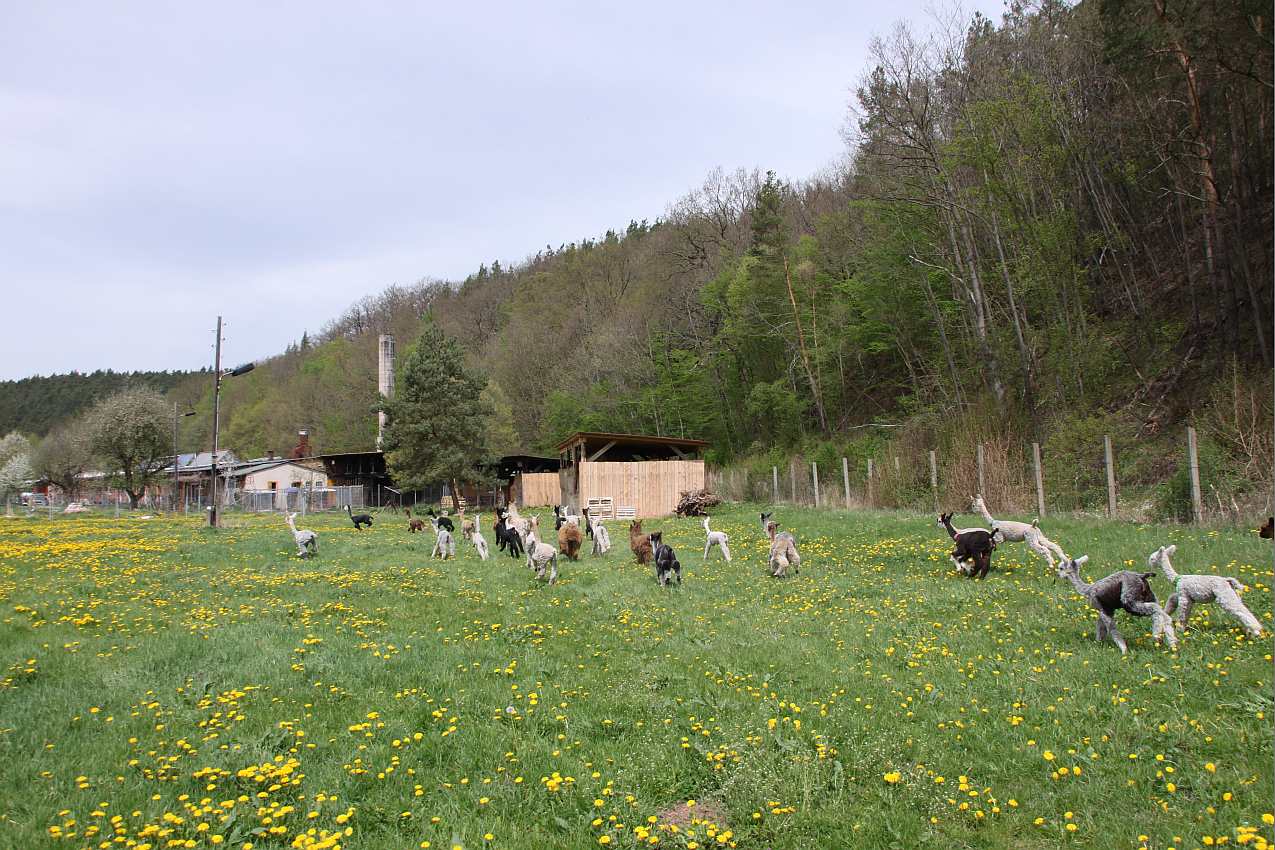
1169 550
1081 561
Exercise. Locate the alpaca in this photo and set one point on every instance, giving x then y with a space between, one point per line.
570 540
359 520
974 546
588 522
507 538
476 538
640 543
443 521
1191 590
307 541
601 537
467 526
413 523
667 566
717 538
1124 589
1267 531
1024 532
539 554
783 551
444 544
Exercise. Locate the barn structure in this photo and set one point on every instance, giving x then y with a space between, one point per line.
623 476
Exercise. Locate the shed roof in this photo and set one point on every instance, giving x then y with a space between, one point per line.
629 440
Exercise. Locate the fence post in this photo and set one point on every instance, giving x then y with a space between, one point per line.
792 479
869 482
1193 458
1040 481
774 482
979 455
934 477
845 479
814 479
897 473
1111 475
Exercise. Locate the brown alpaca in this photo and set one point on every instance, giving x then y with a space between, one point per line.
413 525
640 543
570 540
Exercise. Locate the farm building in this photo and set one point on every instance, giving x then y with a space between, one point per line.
276 476
528 481
623 476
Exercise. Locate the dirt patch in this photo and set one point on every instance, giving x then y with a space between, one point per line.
684 815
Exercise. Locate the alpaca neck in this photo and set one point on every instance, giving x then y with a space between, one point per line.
951 532
1081 587
987 516
1170 574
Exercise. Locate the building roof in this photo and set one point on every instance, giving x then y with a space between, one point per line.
250 468
629 440
202 461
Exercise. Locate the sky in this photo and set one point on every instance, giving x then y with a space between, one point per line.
163 163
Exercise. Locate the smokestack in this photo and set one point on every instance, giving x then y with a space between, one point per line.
303 443
385 381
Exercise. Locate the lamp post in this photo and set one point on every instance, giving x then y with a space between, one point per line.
175 418
218 374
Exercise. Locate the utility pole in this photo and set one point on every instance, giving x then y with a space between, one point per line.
212 510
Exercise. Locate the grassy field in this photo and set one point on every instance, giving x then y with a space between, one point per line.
165 686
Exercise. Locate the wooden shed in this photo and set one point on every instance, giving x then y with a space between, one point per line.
623 476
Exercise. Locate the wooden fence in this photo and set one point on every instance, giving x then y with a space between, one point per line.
536 489
649 488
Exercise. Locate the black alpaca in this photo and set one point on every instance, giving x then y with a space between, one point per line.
359 520
667 566
443 522
972 545
506 537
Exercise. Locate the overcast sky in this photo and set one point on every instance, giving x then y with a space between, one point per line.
161 163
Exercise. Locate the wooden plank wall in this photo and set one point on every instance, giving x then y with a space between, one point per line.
536 489
651 487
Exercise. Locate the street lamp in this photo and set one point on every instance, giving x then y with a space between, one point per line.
218 374
175 418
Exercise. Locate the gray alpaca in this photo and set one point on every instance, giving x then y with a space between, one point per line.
1124 589
1189 590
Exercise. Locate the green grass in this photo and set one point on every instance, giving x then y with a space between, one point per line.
149 665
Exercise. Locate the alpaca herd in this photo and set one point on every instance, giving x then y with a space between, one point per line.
1123 590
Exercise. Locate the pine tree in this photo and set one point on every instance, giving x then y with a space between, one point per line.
437 429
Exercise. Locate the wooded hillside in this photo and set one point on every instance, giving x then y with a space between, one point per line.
1048 228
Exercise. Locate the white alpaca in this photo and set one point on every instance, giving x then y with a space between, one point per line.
601 538
1191 590
715 538
476 537
307 541
1021 532
539 554
444 545
783 551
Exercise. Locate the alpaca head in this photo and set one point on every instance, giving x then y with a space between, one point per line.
977 505
1071 567
657 537
945 520
1160 555
635 527
765 518
772 528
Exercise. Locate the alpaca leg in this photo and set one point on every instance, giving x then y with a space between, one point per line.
725 552
708 544
1184 610
1055 548
1112 632
1038 547
1100 634
1233 605
1161 625
1171 604
553 569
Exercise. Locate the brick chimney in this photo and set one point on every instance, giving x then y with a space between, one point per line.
269 454
303 443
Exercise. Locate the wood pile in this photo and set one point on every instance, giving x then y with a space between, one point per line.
696 502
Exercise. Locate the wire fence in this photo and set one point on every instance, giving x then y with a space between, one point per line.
1012 478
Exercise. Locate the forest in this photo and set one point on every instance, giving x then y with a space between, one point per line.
1047 228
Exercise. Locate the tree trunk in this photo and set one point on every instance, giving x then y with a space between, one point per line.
805 356
133 499
455 497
